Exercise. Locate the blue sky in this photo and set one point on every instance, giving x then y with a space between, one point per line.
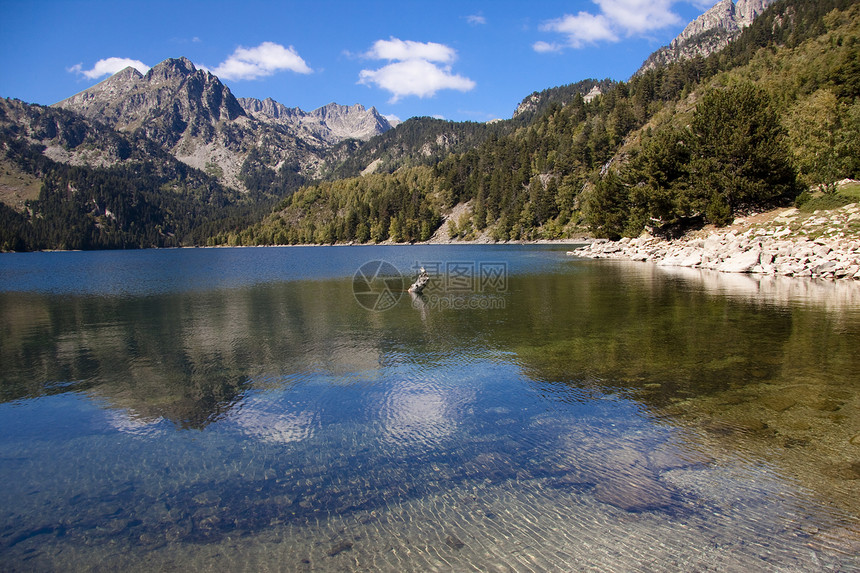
460 60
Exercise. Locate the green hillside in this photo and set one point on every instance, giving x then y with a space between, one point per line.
693 142
141 197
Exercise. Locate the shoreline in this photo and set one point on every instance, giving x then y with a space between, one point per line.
822 245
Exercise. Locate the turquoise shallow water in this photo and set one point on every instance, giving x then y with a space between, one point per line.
294 409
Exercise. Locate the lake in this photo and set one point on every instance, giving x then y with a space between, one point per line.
295 409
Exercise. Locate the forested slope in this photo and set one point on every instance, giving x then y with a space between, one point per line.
694 142
697 141
113 191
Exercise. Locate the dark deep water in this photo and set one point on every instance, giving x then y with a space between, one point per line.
293 409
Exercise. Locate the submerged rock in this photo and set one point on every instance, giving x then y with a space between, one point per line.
845 540
845 470
454 542
778 403
340 548
635 493
624 478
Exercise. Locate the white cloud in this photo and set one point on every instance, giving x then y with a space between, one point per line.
584 28
414 77
261 61
395 49
108 67
639 16
616 18
541 46
476 19
417 68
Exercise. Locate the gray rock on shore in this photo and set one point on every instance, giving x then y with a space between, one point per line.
776 249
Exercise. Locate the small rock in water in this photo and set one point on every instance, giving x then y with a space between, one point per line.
454 542
634 495
827 406
751 425
844 470
795 442
779 403
340 548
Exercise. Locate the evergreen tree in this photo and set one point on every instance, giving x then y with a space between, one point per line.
739 158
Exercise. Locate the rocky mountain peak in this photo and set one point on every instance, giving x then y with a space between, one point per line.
268 109
174 87
117 86
330 123
171 69
177 105
129 74
335 110
197 119
724 15
708 33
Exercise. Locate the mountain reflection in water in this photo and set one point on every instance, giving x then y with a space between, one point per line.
599 415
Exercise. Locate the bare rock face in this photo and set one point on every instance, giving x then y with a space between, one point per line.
187 111
331 123
721 15
269 109
537 102
351 121
528 104
169 98
724 15
198 120
708 33
92 102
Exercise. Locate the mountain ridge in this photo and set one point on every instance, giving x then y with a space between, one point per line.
709 33
198 120
544 174
332 122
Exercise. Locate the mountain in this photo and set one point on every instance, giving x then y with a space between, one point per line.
165 101
331 123
427 141
416 141
197 119
73 183
709 33
538 102
172 158
683 144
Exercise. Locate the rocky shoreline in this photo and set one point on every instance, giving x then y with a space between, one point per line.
823 244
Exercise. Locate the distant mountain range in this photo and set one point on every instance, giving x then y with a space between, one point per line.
197 119
190 114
